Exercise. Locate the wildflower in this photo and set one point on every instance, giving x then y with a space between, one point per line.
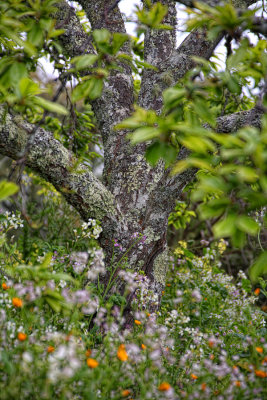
193 376
125 393
92 363
237 383
211 343
22 336
260 373
17 302
196 295
257 291
50 349
137 322
203 386
121 353
88 352
4 286
164 386
143 346
211 356
222 246
259 349
162 292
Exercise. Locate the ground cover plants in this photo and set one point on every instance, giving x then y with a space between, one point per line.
62 338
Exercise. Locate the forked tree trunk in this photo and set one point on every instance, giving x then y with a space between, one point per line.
134 197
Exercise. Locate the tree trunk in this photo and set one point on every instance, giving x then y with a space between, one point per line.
134 198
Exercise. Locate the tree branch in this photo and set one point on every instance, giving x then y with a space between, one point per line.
74 40
226 124
232 122
53 162
159 45
105 14
213 3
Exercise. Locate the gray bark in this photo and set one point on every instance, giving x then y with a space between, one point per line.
49 158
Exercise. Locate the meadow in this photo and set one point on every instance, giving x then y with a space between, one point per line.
62 337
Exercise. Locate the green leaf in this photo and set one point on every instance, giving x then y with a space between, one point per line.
7 189
101 35
204 112
247 174
85 61
28 88
91 89
158 151
143 134
50 106
214 208
118 41
47 260
198 144
16 72
259 268
54 304
247 225
35 35
225 227
238 238
173 97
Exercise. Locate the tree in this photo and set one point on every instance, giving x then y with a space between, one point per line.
134 196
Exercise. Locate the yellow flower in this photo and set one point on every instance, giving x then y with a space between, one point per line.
222 246
17 302
50 349
22 336
260 374
164 386
4 286
137 322
259 349
92 363
121 353
125 393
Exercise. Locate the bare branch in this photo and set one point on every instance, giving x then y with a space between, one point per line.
159 45
213 3
74 40
233 122
105 14
259 26
52 161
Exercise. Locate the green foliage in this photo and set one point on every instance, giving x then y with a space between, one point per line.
207 324
24 29
7 189
219 19
181 216
151 16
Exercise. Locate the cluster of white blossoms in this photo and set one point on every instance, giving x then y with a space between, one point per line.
10 220
90 229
